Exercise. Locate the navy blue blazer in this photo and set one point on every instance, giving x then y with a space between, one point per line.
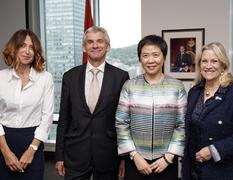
184 60
216 127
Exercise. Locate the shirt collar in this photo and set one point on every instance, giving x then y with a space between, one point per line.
32 75
101 67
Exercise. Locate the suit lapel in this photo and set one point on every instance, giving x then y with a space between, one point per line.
194 98
81 86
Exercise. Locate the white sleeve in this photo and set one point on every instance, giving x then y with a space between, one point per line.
42 131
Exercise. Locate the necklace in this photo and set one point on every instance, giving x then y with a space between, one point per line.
208 91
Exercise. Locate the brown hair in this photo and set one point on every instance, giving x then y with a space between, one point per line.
15 42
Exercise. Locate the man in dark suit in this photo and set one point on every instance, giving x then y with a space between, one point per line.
86 138
183 61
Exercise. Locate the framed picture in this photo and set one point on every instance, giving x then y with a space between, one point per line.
183 45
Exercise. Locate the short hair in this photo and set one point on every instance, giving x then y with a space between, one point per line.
95 29
220 52
152 40
16 42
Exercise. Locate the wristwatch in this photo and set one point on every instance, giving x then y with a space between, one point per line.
132 154
34 147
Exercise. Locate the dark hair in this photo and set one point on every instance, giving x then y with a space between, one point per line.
152 40
16 41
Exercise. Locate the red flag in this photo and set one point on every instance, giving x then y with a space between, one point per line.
88 22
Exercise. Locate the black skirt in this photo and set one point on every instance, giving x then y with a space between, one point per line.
18 140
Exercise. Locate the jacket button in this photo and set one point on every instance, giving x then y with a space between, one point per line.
210 138
219 122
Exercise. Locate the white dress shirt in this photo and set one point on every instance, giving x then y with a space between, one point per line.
89 76
28 107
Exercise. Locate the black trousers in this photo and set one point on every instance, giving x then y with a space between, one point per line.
18 140
132 173
86 175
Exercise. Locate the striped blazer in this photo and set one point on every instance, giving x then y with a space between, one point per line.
150 118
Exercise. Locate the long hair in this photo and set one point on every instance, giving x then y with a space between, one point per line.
219 50
16 42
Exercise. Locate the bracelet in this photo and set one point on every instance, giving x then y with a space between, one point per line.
166 160
132 154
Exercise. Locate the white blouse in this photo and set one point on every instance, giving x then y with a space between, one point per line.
28 107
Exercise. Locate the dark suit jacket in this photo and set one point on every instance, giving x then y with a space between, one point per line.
185 60
85 139
216 127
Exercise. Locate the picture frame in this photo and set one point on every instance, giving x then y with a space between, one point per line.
183 46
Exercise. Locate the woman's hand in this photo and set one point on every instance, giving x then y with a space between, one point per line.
141 164
203 155
26 158
159 165
12 161
162 163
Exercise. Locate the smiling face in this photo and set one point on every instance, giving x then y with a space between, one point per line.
96 47
26 52
152 60
210 66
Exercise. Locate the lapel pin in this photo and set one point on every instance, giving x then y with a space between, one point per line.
218 98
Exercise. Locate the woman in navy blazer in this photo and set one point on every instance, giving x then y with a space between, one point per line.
209 119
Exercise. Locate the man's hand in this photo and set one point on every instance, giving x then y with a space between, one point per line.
121 173
60 168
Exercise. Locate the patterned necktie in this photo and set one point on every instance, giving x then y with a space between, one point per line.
94 90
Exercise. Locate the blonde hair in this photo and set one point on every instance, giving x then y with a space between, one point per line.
219 50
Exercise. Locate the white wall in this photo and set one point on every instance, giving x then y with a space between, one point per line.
12 18
157 15
213 15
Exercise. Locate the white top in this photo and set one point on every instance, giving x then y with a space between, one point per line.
89 76
28 107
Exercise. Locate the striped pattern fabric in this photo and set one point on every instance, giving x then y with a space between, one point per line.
150 118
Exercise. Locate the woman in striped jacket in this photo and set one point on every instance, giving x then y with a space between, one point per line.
150 117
